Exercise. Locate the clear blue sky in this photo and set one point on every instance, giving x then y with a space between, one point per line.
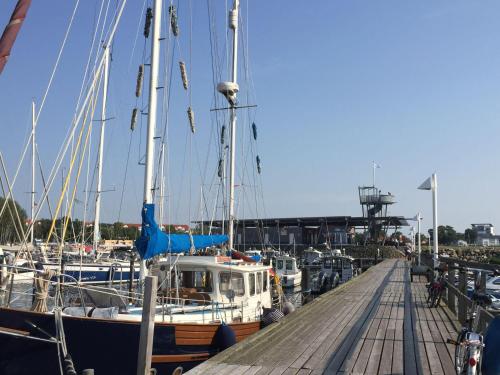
413 85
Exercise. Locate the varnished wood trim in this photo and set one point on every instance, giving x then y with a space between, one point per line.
169 358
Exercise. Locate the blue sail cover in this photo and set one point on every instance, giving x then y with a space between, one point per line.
155 242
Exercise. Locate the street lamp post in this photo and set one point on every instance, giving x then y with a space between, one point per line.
431 184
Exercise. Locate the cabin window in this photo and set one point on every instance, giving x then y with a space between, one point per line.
201 280
289 264
327 264
259 282
280 264
231 280
251 280
265 281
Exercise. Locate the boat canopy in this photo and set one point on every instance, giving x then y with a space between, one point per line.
154 242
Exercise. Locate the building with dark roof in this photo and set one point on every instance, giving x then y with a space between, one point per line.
301 231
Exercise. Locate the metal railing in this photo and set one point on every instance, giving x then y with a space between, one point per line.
455 294
167 305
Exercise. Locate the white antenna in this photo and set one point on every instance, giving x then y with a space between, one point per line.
375 166
153 98
229 90
97 218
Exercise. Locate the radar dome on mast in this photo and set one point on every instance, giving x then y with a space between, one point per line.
229 90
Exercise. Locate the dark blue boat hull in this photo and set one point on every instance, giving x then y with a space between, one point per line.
105 345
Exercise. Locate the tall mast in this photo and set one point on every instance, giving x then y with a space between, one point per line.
97 218
33 125
162 187
153 86
229 90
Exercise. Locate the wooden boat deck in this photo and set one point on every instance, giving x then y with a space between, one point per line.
377 323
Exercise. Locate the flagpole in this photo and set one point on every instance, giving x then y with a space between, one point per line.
373 173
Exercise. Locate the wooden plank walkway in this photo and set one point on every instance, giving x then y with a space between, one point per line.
377 323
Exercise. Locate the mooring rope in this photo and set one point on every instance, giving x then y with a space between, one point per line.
42 291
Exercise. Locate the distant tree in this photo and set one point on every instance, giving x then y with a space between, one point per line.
359 238
397 235
447 235
470 235
423 238
42 227
12 221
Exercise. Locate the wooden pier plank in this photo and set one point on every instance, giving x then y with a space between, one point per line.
377 323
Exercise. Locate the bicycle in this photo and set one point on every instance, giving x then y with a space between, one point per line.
435 289
469 343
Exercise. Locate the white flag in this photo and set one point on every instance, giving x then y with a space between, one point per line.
426 185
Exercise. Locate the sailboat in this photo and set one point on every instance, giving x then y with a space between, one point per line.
206 295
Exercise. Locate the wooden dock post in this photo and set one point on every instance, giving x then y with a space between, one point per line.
462 304
482 282
147 326
451 293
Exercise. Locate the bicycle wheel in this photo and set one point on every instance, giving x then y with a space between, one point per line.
431 298
461 355
430 291
437 299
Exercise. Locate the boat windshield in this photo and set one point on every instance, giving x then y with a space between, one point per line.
251 280
231 280
201 280
280 264
289 264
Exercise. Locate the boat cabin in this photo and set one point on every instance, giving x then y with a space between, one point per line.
209 280
285 265
312 256
343 265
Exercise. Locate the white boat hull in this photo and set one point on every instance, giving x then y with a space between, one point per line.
291 280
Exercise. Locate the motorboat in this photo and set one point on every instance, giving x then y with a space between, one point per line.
286 268
311 256
335 269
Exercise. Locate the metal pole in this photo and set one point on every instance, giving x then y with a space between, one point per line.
435 218
97 218
33 153
233 24
162 186
373 173
412 240
153 85
419 219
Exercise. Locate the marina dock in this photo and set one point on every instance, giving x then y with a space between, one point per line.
378 323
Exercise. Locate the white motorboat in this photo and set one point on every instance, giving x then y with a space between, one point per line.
286 268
